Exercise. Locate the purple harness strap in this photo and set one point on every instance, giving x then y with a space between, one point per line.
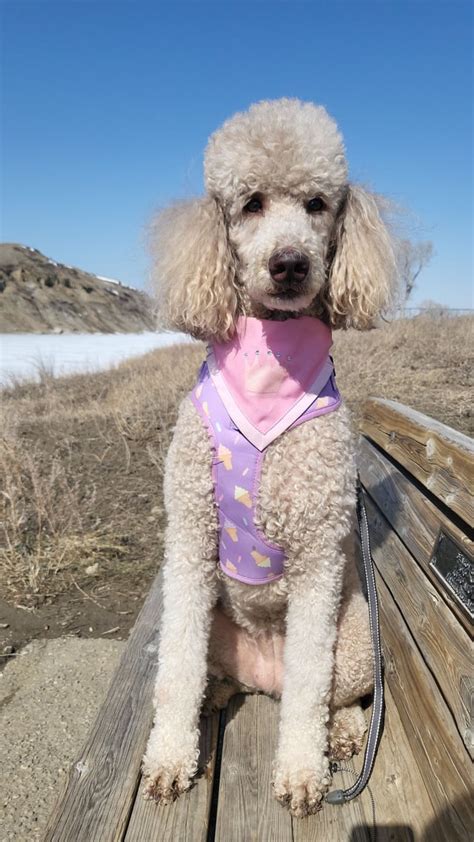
244 552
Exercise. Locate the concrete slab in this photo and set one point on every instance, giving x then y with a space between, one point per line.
49 697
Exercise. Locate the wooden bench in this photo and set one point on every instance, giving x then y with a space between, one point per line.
416 476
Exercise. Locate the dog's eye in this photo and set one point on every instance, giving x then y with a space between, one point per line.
315 205
254 205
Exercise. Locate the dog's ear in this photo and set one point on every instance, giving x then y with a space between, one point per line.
194 269
363 274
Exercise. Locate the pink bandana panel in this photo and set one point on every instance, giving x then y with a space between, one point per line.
270 372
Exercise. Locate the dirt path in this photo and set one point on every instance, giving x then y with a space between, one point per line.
49 697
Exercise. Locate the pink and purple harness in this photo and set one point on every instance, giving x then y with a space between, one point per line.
271 377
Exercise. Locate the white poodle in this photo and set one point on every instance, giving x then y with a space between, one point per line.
281 246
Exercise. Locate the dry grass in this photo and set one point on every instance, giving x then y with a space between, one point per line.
44 529
426 362
82 464
82 457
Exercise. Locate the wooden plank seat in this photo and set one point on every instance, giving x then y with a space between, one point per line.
417 478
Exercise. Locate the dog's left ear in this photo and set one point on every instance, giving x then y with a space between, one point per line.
363 274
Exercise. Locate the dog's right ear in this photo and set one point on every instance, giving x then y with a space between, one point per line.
194 270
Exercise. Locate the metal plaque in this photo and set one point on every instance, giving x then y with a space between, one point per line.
454 567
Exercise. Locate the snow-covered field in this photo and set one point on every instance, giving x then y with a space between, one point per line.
23 355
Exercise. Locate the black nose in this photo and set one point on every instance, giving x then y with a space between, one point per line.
288 266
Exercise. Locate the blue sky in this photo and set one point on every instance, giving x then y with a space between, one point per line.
107 107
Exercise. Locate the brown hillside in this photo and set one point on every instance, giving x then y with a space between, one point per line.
41 296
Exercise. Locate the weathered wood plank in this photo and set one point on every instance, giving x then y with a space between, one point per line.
188 817
439 457
443 642
441 757
400 801
101 784
247 809
412 515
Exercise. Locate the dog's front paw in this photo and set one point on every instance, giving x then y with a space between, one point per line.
165 783
169 768
302 789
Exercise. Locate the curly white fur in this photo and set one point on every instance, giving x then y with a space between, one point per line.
212 263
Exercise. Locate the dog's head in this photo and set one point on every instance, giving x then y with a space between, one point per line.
280 232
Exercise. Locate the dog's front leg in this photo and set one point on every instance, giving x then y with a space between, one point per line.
301 773
171 756
189 594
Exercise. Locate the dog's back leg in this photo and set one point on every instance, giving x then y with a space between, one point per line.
347 727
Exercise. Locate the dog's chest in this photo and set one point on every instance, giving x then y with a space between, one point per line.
299 472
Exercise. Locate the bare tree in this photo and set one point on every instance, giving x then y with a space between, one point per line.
434 308
412 258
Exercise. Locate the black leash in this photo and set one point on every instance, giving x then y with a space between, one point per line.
340 796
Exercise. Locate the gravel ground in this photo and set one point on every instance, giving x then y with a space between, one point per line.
49 696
